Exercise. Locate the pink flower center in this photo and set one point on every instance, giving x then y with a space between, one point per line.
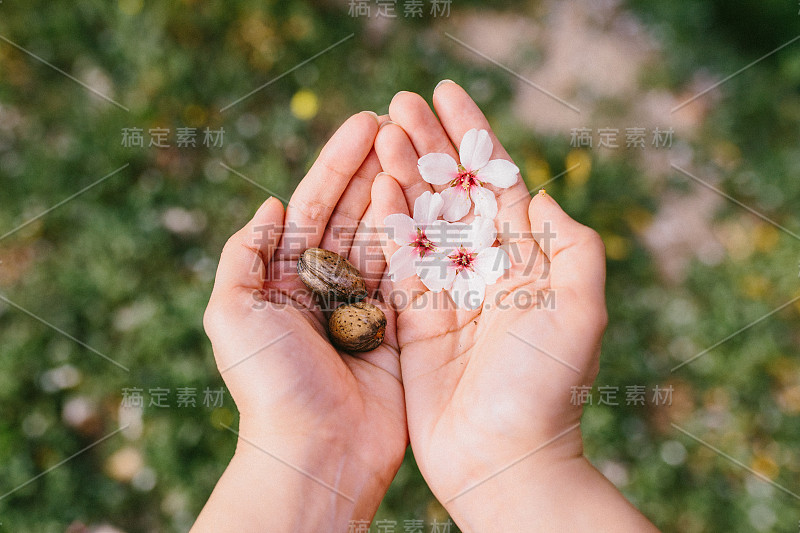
462 259
421 244
466 179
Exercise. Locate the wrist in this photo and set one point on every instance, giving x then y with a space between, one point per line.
330 477
309 491
338 457
288 482
516 493
557 491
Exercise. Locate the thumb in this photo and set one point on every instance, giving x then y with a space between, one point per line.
242 266
576 252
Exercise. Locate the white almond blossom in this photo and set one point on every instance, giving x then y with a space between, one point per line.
418 237
466 263
467 179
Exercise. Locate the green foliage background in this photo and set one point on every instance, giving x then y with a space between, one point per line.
109 271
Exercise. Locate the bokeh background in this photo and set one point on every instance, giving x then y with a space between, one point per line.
126 267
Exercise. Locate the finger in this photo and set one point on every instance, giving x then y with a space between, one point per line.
426 133
388 199
351 207
399 159
575 251
366 252
242 265
350 232
459 114
315 198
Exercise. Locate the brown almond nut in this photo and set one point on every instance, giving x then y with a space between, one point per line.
331 276
357 327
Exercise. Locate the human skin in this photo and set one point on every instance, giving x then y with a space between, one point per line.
321 432
483 395
487 391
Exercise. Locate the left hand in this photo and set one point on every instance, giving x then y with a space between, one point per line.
310 415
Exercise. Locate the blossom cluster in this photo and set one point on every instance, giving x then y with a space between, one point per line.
444 253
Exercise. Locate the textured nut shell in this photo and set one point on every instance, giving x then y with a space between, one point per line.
357 327
331 276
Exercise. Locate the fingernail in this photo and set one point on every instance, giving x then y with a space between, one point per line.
382 173
398 93
543 194
548 199
373 113
388 122
442 82
263 205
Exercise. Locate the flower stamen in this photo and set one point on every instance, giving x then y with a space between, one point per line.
462 259
421 244
466 179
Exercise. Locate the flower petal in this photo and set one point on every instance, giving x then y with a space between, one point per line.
437 169
480 234
402 264
468 290
400 228
436 272
475 149
485 202
456 203
499 172
444 235
491 263
427 208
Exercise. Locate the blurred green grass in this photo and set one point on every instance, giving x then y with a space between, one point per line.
127 266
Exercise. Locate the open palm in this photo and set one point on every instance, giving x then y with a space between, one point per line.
294 390
487 389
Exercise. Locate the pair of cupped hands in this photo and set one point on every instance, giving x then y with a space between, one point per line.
483 396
